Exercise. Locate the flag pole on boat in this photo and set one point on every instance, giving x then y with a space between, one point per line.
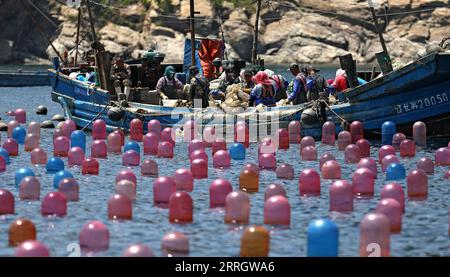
77 37
192 29
255 35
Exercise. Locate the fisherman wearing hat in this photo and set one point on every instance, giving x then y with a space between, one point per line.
199 89
168 86
245 79
316 83
263 92
229 80
296 91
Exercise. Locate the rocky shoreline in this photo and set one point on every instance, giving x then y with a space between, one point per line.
305 31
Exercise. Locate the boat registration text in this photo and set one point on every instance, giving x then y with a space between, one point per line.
422 103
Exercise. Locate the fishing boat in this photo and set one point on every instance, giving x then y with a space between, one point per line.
23 78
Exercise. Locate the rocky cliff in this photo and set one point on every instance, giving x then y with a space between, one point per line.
306 31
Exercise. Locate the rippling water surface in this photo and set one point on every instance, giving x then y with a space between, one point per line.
424 232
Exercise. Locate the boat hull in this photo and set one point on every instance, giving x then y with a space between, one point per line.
25 79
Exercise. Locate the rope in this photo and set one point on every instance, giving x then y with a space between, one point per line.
343 120
94 118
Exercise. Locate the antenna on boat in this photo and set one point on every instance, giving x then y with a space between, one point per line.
77 40
255 34
192 13
383 58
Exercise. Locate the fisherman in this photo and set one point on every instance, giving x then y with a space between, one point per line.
245 79
316 83
228 80
296 90
199 88
263 92
121 77
168 86
279 84
340 82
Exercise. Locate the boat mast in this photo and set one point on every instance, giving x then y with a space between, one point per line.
77 38
192 28
387 58
255 34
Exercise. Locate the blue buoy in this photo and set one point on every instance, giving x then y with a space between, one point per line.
237 151
19 133
395 171
323 238
54 165
132 145
388 130
78 139
22 173
5 154
59 176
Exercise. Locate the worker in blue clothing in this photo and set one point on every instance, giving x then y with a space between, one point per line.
263 92
297 89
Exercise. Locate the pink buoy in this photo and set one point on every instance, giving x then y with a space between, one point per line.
447 175
31 248
329 133
426 164
165 150
149 168
190 130
324 158
417 182
166 135
199 169
75 156
218 144
154 126
266 147
121 133
387 160
11 126
209 136
70 188
58 132
175 244
266 140
195 145
94 237
11 146
393 211
357 131
120 207
114 141
29 188
384 151
397 139
374 235
31 142
242 134
126 188
294 129
130 158
363 182
98 129
163 187
20 116
420 134
184 179
309 183
180 207
136 130
251 166
138 250
218 191
54 203
127 175
369 163
285 171
90 166
407 148
221 159
331 170
34 128
151 141
200 154
2 164
38 156
99 149
68 127
341 196
394 191
364 147
283 138
272 190
277 211
268 162
307 141
344 139
352 154
309 153
61 146
442 157
237 208
6 202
